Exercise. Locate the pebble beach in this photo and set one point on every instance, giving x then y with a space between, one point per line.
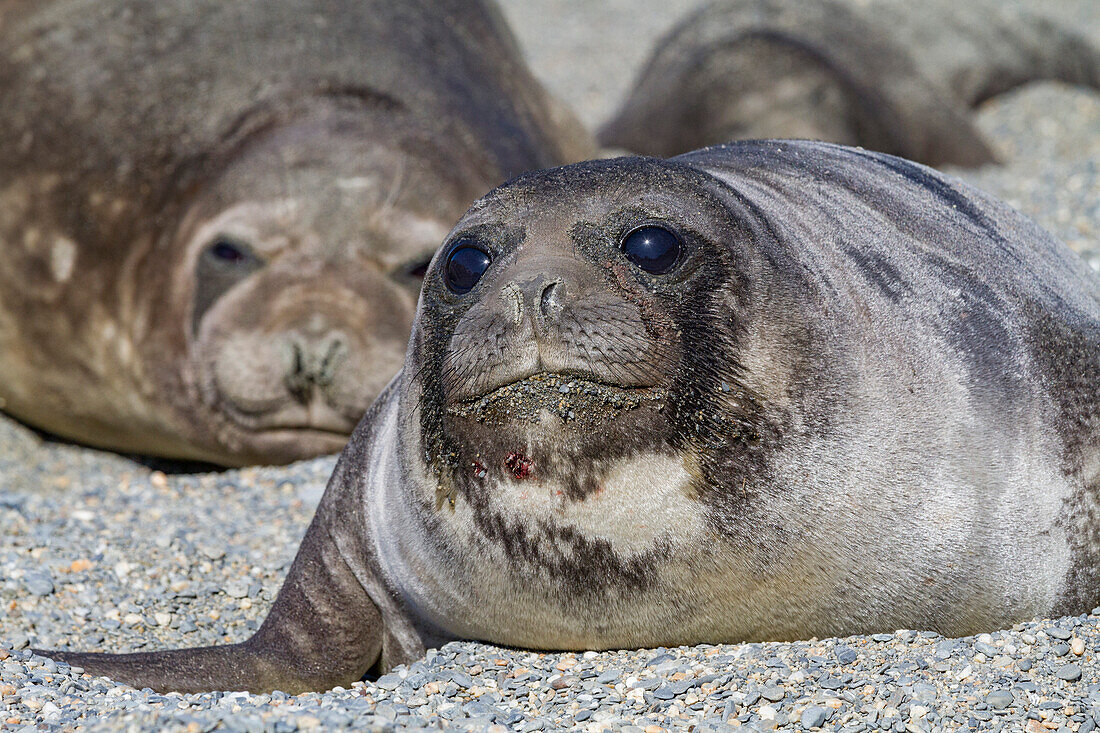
105 552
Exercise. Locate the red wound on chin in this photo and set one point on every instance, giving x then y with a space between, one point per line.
519 464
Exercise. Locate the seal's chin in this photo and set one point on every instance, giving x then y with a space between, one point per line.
571 397
288 432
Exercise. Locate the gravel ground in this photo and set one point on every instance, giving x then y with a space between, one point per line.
102 552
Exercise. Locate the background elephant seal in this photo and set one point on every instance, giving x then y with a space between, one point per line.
761 391
889 75
214 216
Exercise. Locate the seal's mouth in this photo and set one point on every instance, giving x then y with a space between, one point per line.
569 396
291 418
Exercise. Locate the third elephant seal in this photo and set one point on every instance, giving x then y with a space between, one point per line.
889 75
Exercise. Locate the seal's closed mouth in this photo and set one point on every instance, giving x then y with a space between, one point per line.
292 421
569 396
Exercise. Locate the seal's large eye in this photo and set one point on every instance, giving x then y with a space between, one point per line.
652 248
228 252
224 262
465 266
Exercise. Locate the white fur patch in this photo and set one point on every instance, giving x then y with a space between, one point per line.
644 500
62 259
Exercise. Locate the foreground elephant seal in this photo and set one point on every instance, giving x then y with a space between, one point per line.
214 215
890 75
763 391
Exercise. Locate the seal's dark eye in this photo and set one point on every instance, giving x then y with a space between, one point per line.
465 266
222 264
229 252
652 248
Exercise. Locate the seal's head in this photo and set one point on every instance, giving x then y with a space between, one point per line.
577 321
299 266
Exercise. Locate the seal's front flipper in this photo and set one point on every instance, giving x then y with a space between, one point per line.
323 630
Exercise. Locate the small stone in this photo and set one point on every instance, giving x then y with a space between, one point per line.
712 725
1069 672
38 584
814 716
308 722
772 693
561 682
1058 632
999 699
236 589
1077 646
664 692
388 682
212 552
987 649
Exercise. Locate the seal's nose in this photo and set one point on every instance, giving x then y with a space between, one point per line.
538 289
312 361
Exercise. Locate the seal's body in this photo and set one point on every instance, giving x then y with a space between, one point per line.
761 391
889 75
214 216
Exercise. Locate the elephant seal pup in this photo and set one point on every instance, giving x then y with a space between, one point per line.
214 217
761 391
889 75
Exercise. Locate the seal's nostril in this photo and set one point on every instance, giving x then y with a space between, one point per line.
297 377
548 302
330 358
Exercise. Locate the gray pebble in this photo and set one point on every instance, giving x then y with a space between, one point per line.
1069 672
38 584
388 682
772 693
813 717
